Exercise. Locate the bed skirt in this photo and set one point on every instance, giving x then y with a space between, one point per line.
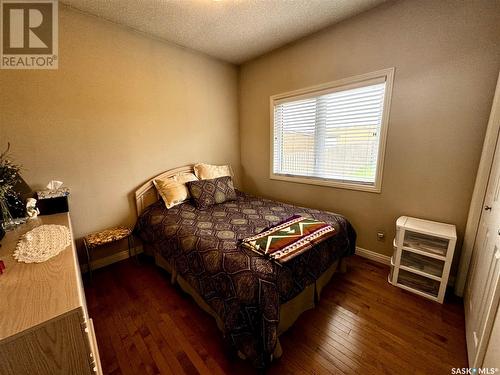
289 311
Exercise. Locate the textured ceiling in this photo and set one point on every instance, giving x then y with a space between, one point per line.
231 30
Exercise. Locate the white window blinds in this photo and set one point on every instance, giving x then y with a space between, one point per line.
334 134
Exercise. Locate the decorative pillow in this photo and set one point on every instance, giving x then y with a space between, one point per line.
208 171
206 193
173 190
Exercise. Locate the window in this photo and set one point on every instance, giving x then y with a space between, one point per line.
333 134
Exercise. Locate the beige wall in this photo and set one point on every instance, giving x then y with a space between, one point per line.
447 58
121 108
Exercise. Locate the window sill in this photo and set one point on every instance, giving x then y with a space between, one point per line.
326 182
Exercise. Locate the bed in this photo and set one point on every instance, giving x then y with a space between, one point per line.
253 299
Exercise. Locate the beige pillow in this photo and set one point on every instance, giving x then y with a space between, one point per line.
209 172
173 190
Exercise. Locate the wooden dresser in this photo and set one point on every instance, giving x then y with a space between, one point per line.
44 323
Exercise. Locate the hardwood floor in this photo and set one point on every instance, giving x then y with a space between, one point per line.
362 325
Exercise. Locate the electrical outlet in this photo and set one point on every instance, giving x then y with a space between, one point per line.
380 235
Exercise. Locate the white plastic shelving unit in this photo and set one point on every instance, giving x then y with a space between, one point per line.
423 252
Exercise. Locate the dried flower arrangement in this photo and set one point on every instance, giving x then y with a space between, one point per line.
10 201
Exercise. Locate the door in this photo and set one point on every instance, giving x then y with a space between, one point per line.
480 187
482 291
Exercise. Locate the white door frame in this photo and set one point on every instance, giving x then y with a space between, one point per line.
476 205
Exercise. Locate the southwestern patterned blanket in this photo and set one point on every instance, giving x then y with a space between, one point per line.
244 288
290 238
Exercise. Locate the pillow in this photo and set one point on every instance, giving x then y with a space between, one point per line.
208 171
206 193
173 190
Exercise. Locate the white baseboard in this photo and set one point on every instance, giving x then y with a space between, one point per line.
385 259
113 258
372 255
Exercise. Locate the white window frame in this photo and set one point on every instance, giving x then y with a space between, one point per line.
339 85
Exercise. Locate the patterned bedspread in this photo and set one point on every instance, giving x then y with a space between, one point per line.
241 286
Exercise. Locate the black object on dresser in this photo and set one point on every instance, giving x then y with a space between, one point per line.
51 206
53 201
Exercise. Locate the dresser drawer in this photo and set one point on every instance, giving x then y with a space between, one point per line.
56 347
92 349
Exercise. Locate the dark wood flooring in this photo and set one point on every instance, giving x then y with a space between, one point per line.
362 325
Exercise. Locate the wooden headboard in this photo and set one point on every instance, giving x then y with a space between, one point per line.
146 195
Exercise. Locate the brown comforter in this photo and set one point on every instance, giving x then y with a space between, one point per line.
242 287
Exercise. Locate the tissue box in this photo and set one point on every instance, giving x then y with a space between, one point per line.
53 201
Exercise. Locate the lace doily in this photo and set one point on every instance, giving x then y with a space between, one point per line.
42 243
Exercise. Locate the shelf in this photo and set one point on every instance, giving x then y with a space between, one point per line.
431 228
422 265
426 243
417 272
416 291
424 253
417 282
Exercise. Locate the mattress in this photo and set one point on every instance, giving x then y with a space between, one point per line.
243 288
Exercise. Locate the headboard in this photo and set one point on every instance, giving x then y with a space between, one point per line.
146 195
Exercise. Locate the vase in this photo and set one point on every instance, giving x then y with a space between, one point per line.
7 221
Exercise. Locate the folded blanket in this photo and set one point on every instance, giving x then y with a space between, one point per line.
289 238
